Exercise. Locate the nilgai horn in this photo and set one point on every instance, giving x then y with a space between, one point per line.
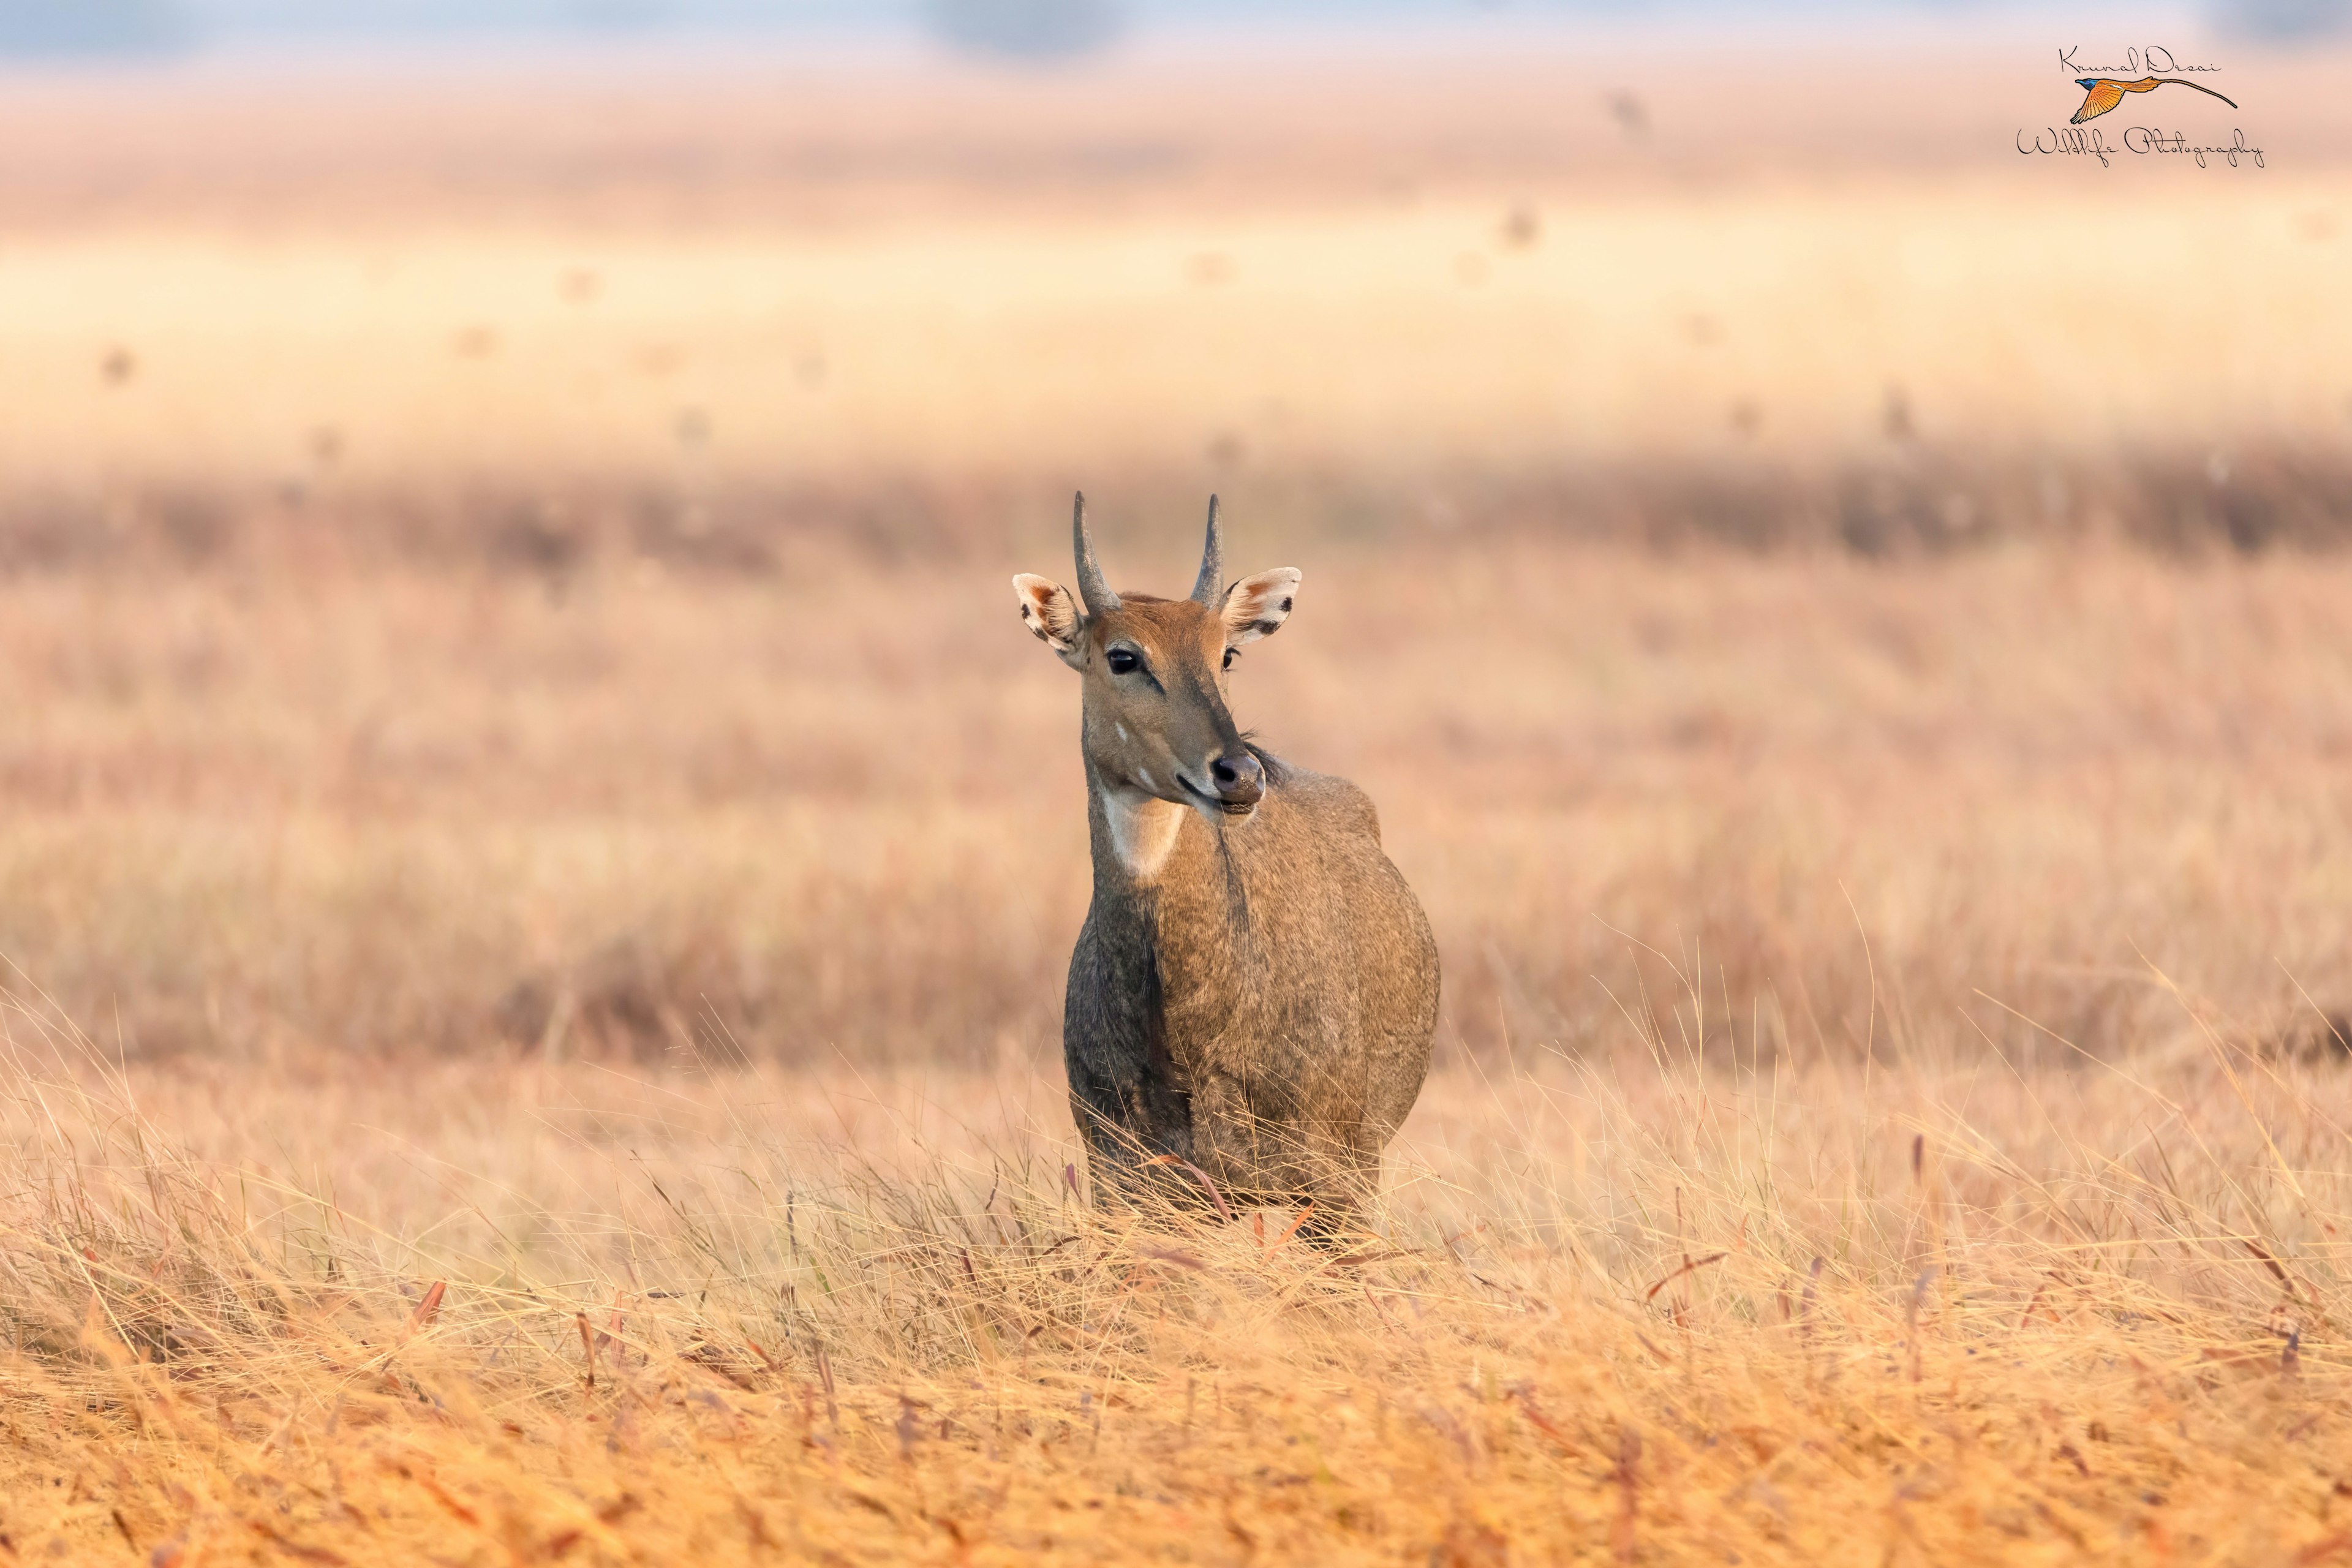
1255 988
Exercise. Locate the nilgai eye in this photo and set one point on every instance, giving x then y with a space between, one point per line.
1232 654
1124 662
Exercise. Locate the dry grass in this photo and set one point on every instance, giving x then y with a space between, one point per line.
1750 873
1366 337
782 272
1639 1312
518 756
259 810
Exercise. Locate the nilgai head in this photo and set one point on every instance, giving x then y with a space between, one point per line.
1155 669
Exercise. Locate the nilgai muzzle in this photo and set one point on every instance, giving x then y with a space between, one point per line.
1255 988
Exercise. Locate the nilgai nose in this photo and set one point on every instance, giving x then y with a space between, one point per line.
1255 990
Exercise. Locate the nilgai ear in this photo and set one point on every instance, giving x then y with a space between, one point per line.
1256 606
1052 612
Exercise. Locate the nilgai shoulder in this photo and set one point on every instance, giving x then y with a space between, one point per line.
1255 987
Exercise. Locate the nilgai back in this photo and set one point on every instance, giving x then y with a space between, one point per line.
1254 991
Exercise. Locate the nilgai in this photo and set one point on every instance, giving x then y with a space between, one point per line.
1254 991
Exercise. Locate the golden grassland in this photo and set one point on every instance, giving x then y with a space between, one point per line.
1635 1309
535 859
1368 337
857 274
657 978
837 808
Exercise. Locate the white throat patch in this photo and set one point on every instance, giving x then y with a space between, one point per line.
1143 830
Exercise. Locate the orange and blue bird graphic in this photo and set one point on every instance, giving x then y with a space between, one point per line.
2105 92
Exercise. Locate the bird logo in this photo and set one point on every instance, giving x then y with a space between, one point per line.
2103 93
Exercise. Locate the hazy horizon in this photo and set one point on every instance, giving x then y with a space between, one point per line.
32 30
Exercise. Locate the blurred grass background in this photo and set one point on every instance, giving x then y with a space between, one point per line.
514 552
536 861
